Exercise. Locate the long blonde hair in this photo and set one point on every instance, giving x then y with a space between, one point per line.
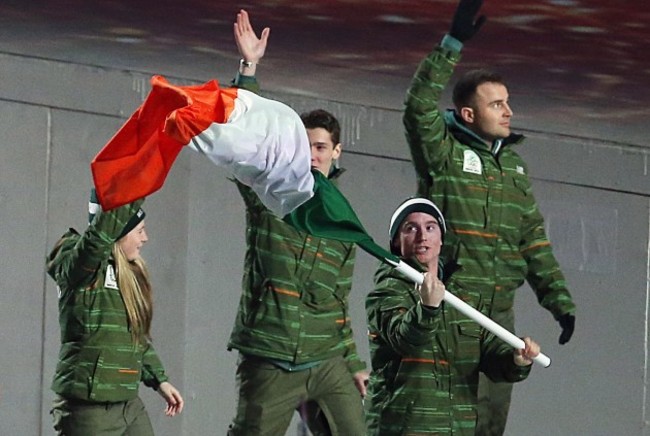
135 287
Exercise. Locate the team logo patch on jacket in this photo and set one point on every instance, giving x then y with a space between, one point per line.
471 162
110 281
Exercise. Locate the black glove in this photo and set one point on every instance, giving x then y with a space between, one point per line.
463 26
568 323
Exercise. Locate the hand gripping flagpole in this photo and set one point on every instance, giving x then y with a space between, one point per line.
474 314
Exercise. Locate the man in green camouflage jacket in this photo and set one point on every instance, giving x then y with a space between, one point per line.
293 328
465 162
426 355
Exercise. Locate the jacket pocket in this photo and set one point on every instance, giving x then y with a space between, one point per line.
520 184
467 351
396 419
256 306
321 299
114 373
515 190
93 377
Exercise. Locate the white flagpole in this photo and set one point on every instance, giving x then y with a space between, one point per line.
474 314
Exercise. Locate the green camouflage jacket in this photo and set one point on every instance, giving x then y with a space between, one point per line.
426 362
98 361
294 305
496 232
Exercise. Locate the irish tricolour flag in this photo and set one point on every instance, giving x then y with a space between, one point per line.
262 142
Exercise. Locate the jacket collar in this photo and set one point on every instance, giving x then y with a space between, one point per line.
466 136
335 172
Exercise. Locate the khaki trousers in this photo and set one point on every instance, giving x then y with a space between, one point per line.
494 398
324 394
80 418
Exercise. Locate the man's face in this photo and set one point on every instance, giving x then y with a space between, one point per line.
323 150
490 112
132 242
420 236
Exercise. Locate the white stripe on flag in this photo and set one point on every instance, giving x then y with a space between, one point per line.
264 145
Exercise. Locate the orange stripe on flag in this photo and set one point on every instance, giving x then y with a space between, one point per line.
136 161
207 105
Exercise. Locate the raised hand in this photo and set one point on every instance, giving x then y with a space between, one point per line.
568 324
249 45
464 25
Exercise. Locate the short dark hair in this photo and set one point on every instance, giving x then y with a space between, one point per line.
321 118
465 88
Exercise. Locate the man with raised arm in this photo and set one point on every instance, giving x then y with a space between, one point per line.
466 163
292 329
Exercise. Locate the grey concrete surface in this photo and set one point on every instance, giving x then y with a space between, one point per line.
67 87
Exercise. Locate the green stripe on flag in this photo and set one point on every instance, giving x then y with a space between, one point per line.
329 215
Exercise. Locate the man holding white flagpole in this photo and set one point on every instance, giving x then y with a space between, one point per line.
292 329
465 161
426 355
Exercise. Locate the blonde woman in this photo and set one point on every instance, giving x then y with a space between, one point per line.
105 312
